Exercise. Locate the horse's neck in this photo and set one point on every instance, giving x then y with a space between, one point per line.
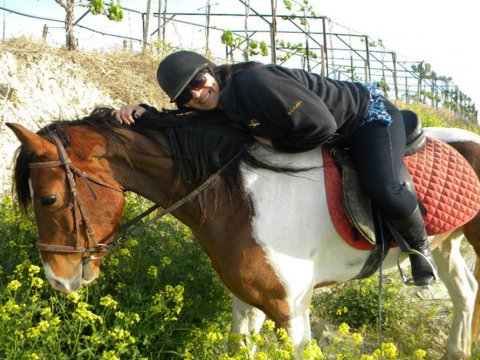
142 167
147 169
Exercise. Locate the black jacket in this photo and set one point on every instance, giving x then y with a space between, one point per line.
297 110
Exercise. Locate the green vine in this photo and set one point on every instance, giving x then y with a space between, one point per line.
113 11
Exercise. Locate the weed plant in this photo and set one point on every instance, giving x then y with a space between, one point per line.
156 298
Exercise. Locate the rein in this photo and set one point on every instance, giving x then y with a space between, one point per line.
78 210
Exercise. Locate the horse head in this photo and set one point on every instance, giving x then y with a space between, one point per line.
53 177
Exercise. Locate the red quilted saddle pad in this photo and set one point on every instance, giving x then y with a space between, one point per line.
445 183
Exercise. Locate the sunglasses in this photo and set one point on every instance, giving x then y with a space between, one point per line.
196 84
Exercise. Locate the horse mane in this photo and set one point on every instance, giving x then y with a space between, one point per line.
200 144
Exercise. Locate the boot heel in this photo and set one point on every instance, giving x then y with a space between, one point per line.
424 271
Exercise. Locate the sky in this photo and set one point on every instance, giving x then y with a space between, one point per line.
443 33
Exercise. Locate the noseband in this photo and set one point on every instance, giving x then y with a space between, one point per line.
78 209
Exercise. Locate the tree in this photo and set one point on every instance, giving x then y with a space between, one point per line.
113 12
423 71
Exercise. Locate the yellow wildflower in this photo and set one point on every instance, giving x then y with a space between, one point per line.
46 312
282 334
109 355
152 271
120 315
269 324
83 313
260 356
357 338
390 350
108 302
37 282
74 296
14 285
166 261
420 354
343 329
284 354
33 270
312 351
257 339
366 357
132 243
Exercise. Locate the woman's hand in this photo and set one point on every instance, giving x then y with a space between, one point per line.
127 114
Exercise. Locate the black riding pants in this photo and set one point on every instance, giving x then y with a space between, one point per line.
377 151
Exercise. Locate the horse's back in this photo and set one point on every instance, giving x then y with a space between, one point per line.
450 135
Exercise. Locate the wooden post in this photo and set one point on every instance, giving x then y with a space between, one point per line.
159 25
325 71
44 33
207 30
367 60
395 79
164 20
146 27
406 90
352 68
71 41
247 36
273 30
433 92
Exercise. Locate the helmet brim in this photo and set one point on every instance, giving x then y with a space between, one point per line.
188 80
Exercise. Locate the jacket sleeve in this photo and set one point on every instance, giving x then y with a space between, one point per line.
296 118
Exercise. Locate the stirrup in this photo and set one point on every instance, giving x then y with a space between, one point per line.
410 281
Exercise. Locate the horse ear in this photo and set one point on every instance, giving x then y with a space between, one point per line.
31 141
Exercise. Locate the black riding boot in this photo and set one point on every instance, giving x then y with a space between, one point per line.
412 228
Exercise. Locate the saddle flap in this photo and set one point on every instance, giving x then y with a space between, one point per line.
357 206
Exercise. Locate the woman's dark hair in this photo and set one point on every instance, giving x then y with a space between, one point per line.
224 73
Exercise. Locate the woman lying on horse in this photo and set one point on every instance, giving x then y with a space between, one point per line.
294 111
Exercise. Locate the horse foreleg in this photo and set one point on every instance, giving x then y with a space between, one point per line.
246 320
297 322
462 288
299 330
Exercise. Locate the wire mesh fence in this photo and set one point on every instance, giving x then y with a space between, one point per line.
290 37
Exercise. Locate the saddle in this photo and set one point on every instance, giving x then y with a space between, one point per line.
443 180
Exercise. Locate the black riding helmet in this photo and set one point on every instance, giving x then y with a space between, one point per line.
177 70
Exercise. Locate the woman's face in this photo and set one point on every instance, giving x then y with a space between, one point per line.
208 96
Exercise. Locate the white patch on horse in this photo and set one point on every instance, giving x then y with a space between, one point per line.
449 135
293 224
65 285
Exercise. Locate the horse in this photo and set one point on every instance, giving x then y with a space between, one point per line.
259 215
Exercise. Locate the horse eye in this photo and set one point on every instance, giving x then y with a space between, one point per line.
48 200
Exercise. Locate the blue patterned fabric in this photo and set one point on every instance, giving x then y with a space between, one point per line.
377 111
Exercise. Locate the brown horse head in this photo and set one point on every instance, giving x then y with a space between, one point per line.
63 210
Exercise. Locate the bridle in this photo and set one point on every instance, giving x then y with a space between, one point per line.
76 205
79 213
